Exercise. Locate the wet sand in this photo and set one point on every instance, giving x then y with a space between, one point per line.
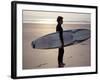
74 56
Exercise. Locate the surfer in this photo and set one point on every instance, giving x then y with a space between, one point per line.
61 49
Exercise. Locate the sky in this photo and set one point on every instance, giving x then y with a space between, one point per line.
44 17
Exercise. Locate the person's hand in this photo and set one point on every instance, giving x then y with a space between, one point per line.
62 45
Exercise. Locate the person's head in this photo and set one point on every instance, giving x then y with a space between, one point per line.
60 19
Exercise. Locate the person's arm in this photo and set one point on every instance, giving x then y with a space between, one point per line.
60 31
61 37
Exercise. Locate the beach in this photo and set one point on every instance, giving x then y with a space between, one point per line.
78 55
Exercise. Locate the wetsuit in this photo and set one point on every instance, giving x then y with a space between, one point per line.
61 49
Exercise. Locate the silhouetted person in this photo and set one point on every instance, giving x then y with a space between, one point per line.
61 49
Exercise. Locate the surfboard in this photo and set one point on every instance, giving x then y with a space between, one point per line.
52 40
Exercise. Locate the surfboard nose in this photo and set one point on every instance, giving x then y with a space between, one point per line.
33 44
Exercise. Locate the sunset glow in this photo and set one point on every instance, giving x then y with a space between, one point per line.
50 17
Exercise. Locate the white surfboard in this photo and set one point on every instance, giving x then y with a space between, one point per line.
52 40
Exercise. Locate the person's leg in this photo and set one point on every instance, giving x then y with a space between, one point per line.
62 53
60 57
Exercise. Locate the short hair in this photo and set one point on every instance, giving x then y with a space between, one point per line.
59 18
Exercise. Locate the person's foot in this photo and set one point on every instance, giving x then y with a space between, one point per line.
61 65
